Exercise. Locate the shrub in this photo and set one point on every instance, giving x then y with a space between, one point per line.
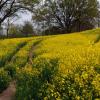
28 84
34 83
11 69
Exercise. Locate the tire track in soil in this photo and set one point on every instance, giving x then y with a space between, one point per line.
31 55
10 92
14 53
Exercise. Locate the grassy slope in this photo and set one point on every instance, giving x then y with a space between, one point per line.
76 58
72 50
64 67
59 59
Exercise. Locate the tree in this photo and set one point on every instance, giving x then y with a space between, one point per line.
27 29
10 7
15 30
8 23
1 30
98 20
7 8
67 14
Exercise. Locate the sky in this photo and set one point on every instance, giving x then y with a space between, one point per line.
25 17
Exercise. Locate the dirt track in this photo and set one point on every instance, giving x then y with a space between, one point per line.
9 93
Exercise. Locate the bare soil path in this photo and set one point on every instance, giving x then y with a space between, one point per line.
9 93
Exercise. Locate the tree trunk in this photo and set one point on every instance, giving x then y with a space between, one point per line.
8 24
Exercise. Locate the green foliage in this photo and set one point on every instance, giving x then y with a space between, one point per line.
36 82
4 80
28 84
67 15
15 31
11 69
27 29
97 39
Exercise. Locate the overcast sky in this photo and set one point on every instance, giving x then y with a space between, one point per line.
26 17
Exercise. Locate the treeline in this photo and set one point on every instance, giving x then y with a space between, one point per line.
16 31
24 30
66 16
53 16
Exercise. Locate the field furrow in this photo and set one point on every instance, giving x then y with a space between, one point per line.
9 48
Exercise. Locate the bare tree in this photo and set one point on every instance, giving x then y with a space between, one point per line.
10 7
67 14
7 8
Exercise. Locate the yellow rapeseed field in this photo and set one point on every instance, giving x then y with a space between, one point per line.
71 65
63 67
